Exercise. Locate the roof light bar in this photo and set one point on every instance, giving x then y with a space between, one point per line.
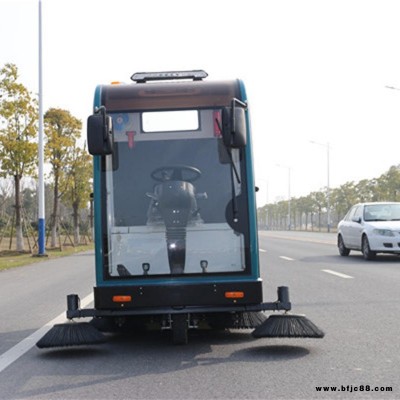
142 77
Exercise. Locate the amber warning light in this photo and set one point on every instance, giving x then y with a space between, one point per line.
122 299
234 295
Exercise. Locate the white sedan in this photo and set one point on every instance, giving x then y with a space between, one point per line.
370 228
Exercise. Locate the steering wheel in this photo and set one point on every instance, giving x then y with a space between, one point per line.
176 173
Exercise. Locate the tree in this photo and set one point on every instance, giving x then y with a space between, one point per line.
389 184
318 201
366 190
62 130
384 188
18 150
305 206
5 195
79 185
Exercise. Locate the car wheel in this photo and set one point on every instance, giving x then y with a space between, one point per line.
366 250
343 250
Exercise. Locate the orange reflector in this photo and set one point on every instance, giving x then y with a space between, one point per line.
234 295
122 299
116 83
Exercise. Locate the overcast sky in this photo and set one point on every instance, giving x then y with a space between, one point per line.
314 71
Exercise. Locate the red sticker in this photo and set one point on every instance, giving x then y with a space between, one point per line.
131 142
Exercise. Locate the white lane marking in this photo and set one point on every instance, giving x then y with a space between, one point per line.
286 258
26 344
263 251
328 271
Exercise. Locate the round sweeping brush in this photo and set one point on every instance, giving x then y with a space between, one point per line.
71 334
288 326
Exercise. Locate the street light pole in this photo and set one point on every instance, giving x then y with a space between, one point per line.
41 210
328 195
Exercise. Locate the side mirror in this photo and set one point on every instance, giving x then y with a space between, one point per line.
100 133
357 220
234 128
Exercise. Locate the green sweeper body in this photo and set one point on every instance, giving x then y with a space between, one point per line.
175 214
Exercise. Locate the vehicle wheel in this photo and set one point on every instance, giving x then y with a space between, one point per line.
180 329
366 250
343 250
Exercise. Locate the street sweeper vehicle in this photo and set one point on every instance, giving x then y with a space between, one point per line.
175 214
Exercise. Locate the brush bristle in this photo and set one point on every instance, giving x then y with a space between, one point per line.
248 320
71 334
238 320
288 326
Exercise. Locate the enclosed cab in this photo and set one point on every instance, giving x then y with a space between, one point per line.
174 206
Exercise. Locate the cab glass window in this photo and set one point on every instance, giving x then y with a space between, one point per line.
170 121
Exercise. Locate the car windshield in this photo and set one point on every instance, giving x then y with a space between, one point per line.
382 212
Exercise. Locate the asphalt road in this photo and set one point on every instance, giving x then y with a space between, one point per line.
357 304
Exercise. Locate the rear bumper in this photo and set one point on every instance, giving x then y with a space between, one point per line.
177 299
177 295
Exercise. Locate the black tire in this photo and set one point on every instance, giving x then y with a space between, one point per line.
180 329
368 254
343 250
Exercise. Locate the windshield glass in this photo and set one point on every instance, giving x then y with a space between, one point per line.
169 197
382 212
